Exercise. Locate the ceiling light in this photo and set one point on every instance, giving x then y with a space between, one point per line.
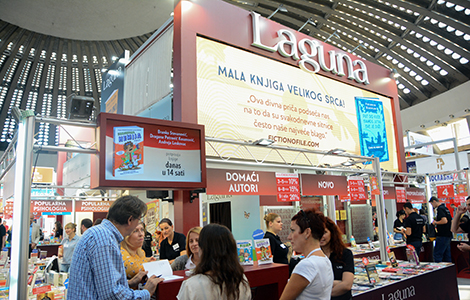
394 73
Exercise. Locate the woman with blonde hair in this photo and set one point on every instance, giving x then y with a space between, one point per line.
278 248
133 255
190 260
68 246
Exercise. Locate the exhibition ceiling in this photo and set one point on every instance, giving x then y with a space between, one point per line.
50 49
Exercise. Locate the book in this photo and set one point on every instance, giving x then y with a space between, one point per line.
372 274
245 252
128 150
263 251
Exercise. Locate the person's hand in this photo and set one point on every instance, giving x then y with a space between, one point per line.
152 259
33 246
461 209
463 247
152 283
134 282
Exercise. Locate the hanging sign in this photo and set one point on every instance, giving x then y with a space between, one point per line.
92 206
401 194
51 206
287 187
445 191
374 186
137 152
239 182
323 185
415 195
389 192
357 189
462 190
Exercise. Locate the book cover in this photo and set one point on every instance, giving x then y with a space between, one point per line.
263 251
128 150
245 252
372 274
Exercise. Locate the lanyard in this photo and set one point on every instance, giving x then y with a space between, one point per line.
314 250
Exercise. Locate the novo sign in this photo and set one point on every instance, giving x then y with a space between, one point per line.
306 50
323 185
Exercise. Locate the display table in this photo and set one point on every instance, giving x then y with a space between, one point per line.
434 285
460 259
400 252
52 249
266 281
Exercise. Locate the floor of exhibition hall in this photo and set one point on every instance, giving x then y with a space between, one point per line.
464 288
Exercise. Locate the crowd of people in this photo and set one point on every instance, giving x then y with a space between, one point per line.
106 262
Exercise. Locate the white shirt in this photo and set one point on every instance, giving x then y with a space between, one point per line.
200 287
318 271
189 264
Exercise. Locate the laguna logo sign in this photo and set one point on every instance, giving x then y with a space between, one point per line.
310 54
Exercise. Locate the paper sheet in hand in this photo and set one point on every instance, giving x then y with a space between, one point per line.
160 268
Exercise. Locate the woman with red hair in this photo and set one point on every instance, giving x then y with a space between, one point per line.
342 261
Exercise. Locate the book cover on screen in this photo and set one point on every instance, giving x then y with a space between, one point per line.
128 150
263 251
245 252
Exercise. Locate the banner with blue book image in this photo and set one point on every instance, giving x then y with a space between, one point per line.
371 126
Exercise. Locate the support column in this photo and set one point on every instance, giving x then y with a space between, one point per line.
21 207
186 212
381 212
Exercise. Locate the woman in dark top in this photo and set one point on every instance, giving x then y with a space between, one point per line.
342 261
147 245
172 246
59 232
273 227
399 225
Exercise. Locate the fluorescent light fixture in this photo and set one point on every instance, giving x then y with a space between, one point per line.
280 8
394 73
310 20
263 142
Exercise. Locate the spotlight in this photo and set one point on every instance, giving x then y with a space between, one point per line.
394 74
310 20
280 8
336 151
263 142
334 34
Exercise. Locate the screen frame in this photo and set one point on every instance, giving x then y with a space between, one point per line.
98 164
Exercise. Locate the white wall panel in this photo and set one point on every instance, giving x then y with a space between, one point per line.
148 75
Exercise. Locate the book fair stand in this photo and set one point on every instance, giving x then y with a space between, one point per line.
263 119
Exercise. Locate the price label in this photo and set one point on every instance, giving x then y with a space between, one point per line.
288 188
365 261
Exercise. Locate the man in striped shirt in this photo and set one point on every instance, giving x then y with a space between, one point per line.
97 270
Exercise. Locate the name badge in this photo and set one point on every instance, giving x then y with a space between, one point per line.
176 247
283 246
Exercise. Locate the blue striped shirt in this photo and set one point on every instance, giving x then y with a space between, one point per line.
97 270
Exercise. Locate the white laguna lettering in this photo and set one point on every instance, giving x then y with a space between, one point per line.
300 52
402 294
326 184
